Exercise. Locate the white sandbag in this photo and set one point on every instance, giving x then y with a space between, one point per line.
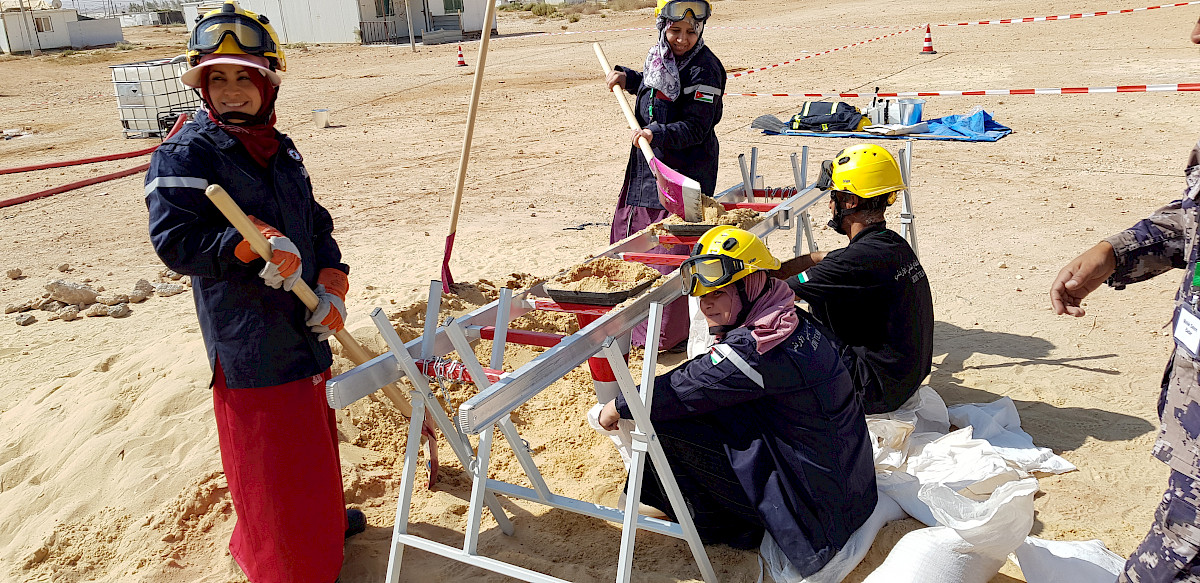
889 442
903 488
999 424
1051 561
996 526
935 555
925 410
781 570
955 459
621 436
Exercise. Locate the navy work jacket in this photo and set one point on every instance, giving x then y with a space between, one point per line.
798 444
258 333
684 134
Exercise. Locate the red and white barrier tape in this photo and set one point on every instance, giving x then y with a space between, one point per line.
1051 91
797 60
810 26
1068 16
856 26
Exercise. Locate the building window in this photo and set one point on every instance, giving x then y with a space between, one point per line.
452 6
384 8
43 24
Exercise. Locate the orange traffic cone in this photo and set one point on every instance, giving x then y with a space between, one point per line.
927 48
463 62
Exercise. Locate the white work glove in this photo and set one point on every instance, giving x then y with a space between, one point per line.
285 266
330 315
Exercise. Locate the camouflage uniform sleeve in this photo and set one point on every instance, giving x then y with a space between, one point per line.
1159 242
1154 245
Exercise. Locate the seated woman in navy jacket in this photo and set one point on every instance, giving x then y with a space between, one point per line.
763 432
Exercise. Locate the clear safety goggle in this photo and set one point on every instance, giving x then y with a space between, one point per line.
676 10
249 34
709 271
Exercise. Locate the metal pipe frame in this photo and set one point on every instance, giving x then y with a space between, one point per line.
520 385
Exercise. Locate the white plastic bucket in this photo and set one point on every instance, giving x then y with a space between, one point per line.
321 118
910 111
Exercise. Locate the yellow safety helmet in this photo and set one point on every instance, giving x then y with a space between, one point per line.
676 10
233 30
866 170
722 256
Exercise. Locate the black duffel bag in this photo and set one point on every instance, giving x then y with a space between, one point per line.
827 116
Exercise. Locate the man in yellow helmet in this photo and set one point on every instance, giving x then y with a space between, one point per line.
764 432
872 294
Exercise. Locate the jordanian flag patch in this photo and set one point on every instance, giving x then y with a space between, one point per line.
704 97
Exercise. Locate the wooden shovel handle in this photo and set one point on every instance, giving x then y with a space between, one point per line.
621 99
259 244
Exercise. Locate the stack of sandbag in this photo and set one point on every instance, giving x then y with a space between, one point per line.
973 487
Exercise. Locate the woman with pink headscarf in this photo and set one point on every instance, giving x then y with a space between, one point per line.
763 432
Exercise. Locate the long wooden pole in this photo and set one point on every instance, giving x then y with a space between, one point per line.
489 13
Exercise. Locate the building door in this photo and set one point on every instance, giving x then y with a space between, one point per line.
452 6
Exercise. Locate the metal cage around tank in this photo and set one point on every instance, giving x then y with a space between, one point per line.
150 96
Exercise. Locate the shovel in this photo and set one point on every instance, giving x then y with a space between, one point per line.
489 13
350 346
677 193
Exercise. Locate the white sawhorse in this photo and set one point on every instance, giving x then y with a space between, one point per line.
483 489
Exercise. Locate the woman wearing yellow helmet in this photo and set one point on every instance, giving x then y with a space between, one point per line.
268 353
678 105
763 432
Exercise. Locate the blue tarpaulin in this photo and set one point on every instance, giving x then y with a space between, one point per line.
977 127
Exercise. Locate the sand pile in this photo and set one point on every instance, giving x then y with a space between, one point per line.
714 214
137 492
604 275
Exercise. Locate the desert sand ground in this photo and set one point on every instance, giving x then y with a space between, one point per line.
109 467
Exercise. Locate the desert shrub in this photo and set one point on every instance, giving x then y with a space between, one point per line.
581 8
542 10
631 4
124 46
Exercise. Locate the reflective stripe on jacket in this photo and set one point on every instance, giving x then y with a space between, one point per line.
258 333
798 443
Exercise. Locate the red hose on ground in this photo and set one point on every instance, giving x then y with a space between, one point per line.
178 124
93 180
74 185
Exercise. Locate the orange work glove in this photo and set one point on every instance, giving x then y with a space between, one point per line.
284 267
329 317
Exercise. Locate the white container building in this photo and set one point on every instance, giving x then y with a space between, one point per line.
357 21
29 30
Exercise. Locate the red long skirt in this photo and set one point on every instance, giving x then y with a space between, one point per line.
279 449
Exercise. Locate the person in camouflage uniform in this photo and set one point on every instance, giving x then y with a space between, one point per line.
1167 239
